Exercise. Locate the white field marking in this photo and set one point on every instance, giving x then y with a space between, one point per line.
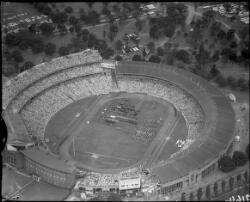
102 155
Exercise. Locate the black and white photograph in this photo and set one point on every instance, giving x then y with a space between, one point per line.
125 101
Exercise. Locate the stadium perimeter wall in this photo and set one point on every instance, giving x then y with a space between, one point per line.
188 166
217 135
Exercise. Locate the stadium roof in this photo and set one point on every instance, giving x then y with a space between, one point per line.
219 117
17 132
49 161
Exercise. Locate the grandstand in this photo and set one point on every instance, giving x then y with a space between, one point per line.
200 117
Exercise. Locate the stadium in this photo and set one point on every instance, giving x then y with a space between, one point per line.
108 126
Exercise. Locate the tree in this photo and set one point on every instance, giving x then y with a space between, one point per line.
247 151
199 194
183 56
50 49
83 16
113 28
154 32
78 44
23 45
209 15
90 4
46 28
238 178
12 39
216 56
221 81
81 10
68 9
216 189
170 58
177 13
226 52
231 81
183 198
246 176
231 183
223 185
233 44
73 20
227 7
106 11
116 8
191 196
62 28
203 56
243 84
136 58
27 65
169 30
111 36
230 34
139 24
111 19
221 35
245 53
106 54
144 53
151 47
214 28
226 164
155 59
17 56
214 71
9 69
85 34
60 18
37 46
244 33
118 45
208 192
160 51
7 55
118 58
239 158
92 17
71 29
63 51
33 28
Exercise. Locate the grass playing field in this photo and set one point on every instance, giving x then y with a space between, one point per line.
99 145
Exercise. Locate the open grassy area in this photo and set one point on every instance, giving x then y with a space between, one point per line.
99 145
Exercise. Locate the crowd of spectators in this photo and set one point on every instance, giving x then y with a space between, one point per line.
99 180
15 85
38 112
182 100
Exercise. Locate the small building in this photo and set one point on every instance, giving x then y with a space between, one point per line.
128 184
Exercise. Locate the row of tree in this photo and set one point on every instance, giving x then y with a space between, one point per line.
241 83
228 164
165 26
208 194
